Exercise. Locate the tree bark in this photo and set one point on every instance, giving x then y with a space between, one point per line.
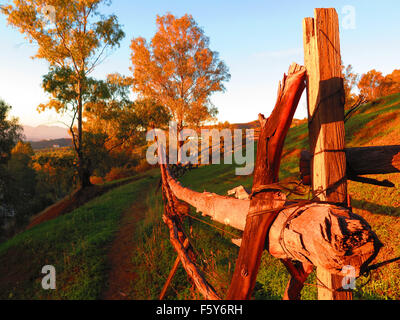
322 235
360 161
222 209
299 274
180 143
178 238
270 145
83 172
326 122
201 284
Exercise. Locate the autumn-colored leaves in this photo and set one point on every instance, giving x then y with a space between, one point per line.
371 85
178 70
172 77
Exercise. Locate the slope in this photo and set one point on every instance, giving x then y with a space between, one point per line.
376 123
76 244
83 244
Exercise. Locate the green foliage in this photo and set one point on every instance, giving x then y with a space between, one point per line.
77 34
56 173
351 80
10 132
74 43
151 114
23 178
33 182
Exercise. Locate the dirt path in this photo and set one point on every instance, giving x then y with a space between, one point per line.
122 274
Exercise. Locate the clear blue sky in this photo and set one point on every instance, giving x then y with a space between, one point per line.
258 40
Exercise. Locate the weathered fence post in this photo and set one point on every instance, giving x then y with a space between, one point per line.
266 202
326 123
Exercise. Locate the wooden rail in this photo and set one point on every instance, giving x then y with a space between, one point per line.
360 161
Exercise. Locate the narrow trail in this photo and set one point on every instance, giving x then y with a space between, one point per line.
122 274
75 200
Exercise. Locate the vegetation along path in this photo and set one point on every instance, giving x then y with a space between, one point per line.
122 274
78 245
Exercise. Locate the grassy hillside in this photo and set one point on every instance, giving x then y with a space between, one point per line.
78 243
375 123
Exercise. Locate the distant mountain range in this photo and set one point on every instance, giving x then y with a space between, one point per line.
43 137
45 133
51 144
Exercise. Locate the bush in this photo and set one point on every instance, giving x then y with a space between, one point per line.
143 166
96 180
117 173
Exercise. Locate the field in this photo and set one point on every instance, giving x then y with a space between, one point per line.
79 244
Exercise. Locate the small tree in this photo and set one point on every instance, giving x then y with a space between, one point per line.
10 132
370 84
391 83
114 123
178 70
351 80
23 177
74 38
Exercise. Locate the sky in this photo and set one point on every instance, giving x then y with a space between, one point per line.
257 40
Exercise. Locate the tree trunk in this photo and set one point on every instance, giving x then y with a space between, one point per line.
327 236
83 170
180 143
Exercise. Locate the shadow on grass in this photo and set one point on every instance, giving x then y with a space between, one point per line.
375 208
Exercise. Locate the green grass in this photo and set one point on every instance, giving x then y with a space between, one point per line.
361 129
76 244
215 252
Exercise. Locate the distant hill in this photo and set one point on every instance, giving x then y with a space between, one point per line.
256 124
50 144
250 125
45 133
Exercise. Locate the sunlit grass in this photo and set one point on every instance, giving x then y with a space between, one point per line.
76 244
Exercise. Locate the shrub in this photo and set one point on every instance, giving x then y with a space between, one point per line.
96 180
117 173
143 166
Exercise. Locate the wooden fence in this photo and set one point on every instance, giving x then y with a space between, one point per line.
323 232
